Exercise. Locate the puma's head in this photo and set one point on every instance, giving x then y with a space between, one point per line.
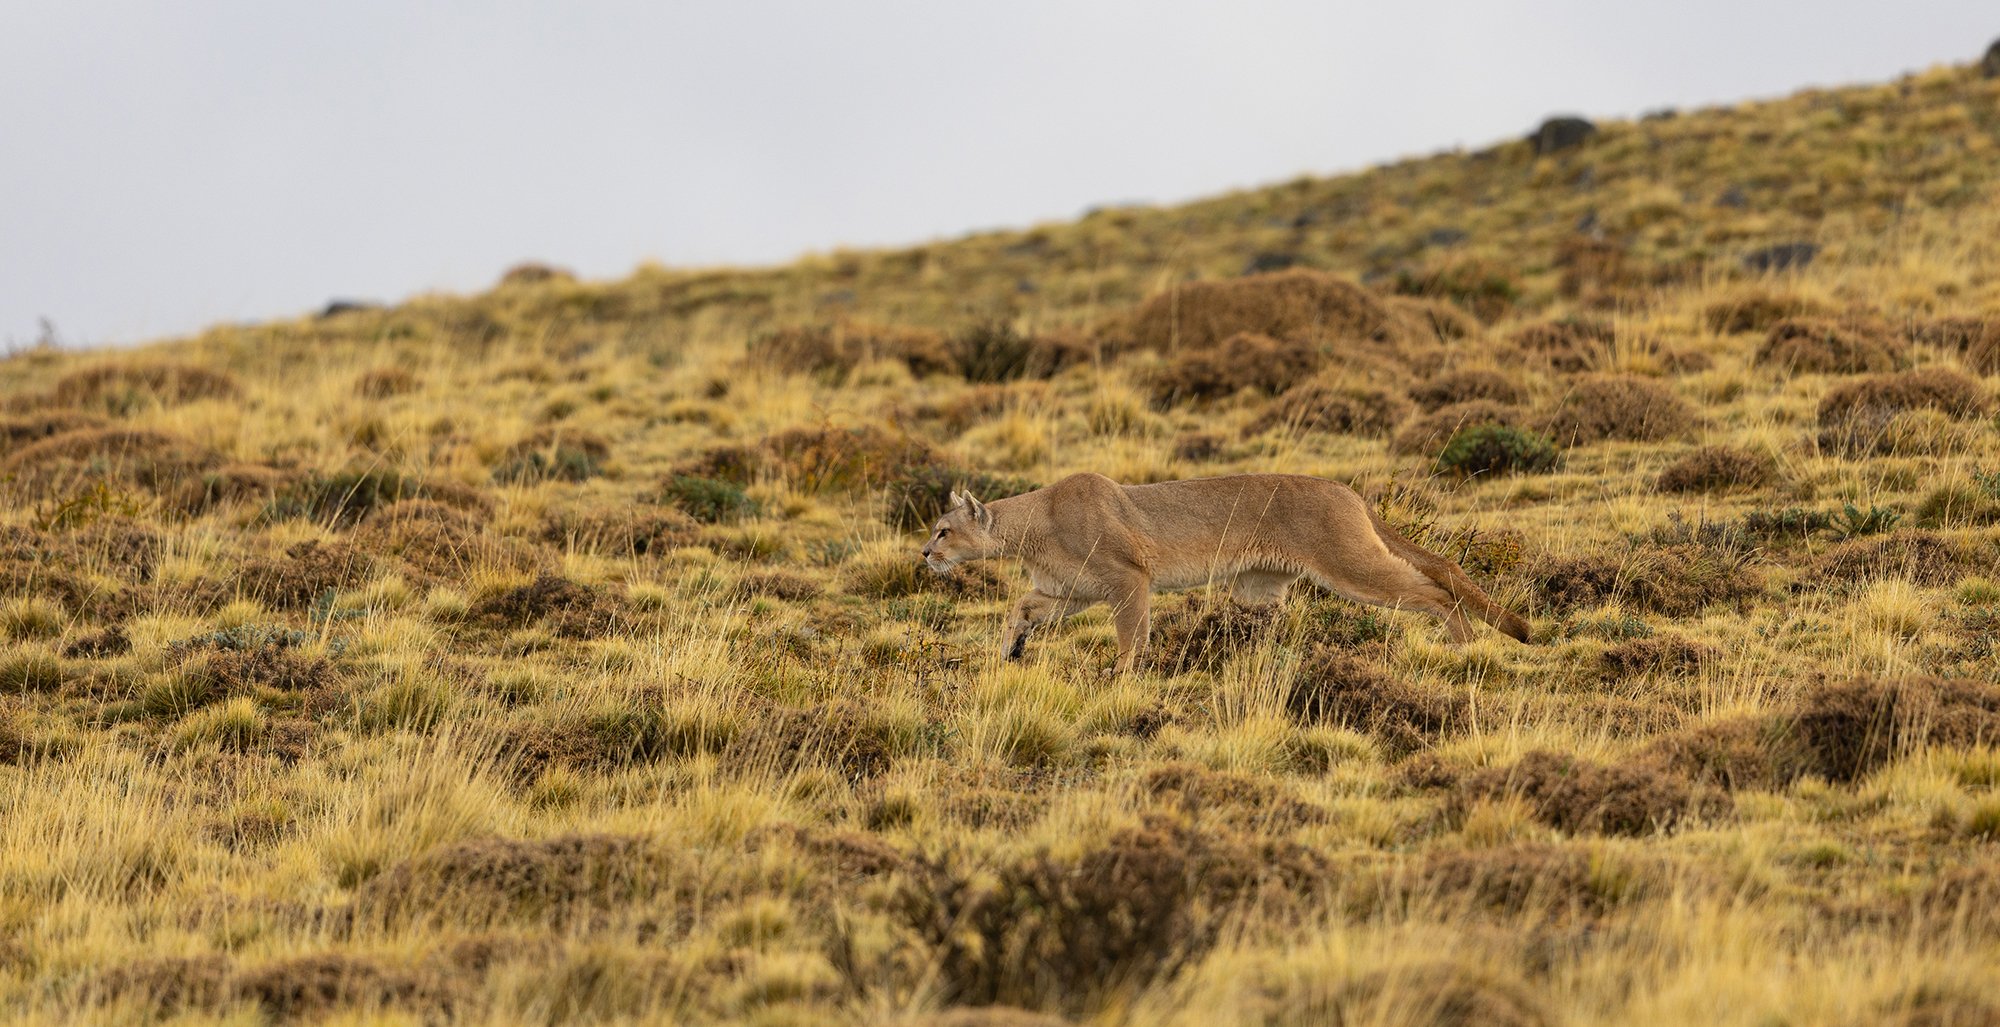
965 532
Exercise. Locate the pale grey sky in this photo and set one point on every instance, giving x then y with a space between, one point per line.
164 165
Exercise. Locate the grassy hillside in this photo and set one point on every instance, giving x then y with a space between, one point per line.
561 653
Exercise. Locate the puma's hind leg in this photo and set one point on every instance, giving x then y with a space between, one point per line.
1132 615
1379 577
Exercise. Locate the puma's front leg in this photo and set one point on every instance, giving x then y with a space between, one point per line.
1035 609
1133 618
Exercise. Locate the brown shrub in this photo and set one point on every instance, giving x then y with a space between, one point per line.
550 882
1684 579
112 641
1334 409
1577 795
532 273
171 984
1758 310
123 388
1199 447
384 382
991 1016
1848 729
1816 346
1660 654
1338 687
1739 753
848 854
1618 407
310 986
1203 633
1148 901
1923 557
1716 468
1965 898
231 483
823 459
1569 345
1232 798
1295 305
1446 321
150 460
1955 334
1854 418
976 405
838 348
1515 879
791 588
1454 387
16 432
784 739
1439 995
619 531
564 607
1241 361
438 541
241 667
307 572
1427 435
553 454
1487 288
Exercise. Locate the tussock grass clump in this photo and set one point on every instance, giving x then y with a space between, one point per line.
1440 994
1922 557
837 348
618 530
551 882
121 389
791 588
1568 346
1488 289
994 351
1234 798
1716 469
1454 387
898 573
387 382
440 542
1676 580
1618 407
16 432
1242 361
308 987
1858 418
30 669
1817 346
1333 409
150 460
1336 686
564 607
553 454
1659 654
1068 932
1517 879
307 573
1203 633
834 459
345 498
1577 795
1758 310
1296 305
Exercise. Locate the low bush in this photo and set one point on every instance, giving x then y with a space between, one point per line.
1715 469
1488 449
1618 407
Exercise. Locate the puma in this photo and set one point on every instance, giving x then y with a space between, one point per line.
1087 540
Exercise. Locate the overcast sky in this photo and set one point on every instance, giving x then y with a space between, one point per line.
164 166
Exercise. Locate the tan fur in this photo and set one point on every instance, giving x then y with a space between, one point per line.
1087 540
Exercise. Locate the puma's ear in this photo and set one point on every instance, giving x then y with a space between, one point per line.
979 512
957 500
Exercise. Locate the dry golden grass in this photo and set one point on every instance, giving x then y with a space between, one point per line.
559 654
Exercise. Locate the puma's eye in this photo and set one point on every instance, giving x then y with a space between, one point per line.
942 532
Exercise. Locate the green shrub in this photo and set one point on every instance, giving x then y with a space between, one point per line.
1497 449
710 500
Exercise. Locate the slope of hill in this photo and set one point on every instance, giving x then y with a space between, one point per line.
560 653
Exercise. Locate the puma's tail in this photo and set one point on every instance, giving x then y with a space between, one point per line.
1452 579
